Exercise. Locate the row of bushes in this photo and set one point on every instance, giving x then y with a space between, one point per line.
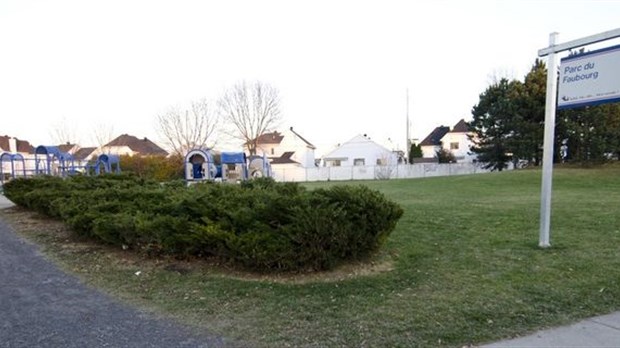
261 224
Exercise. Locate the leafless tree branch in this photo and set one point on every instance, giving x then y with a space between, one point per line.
250 109
102 134
64 132
183 130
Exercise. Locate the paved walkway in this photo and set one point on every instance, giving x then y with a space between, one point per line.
603 331
41 306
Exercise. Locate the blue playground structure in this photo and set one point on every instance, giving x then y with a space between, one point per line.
233 167
199 166
110 164
49 160
259 166
12 158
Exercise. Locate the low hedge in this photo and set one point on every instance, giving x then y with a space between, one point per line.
260 224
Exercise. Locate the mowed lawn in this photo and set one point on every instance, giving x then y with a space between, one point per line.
463 267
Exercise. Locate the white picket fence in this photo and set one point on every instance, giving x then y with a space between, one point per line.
402 171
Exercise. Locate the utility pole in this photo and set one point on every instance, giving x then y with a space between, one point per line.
408 142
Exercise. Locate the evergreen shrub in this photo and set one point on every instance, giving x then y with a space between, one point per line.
259 224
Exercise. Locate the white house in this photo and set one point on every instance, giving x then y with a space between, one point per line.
457 142
432 143
286 148
359 151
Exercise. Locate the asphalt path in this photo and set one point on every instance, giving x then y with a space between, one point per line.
41 306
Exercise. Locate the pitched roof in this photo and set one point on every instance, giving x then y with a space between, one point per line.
65 147
284 159
270 138
4 143
303 139
83 152
142 146
342 151
434 139
24 146
276 138
460 127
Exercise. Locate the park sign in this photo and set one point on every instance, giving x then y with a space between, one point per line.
590 78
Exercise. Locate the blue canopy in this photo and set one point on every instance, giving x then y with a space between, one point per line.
47 150
233 157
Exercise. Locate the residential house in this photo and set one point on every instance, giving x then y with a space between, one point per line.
14 145
359 151
286 148
130 145
455 140
68 148
84 153
458 143
432 143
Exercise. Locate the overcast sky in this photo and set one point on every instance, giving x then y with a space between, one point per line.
342 67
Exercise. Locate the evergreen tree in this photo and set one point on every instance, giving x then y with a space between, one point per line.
415 152
494 122
445 156
530 119
592 132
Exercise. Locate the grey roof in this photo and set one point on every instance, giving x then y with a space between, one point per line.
434 139
284 159
83 152
460 127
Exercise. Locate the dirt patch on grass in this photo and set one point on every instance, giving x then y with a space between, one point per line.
58 242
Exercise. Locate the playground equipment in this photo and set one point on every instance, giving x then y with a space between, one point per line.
111 164
49 160
234 166
199 166
46 160
259 166
9 157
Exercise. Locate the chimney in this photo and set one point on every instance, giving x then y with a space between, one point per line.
13 145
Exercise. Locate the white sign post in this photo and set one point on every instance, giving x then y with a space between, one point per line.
576 89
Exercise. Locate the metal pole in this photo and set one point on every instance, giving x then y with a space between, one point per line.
547 174
408 142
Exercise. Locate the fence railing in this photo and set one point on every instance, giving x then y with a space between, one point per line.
401 171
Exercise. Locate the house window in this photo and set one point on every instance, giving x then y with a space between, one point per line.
335 163
454 146
379 161
359 162
272 151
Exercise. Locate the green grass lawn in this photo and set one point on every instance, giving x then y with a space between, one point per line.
465 269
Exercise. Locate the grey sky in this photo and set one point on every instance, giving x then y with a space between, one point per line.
342 67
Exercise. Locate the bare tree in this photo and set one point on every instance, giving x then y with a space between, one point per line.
64 132
189 129
251 109
102 134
